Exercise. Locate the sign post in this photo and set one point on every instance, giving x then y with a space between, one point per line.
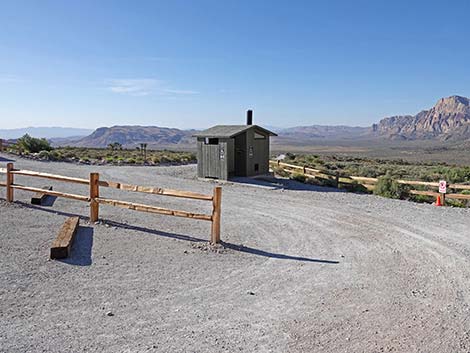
443 191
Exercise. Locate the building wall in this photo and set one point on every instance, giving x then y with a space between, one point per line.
257 153
213 160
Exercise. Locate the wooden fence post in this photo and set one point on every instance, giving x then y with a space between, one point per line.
94 192
1 145
216 210
9 183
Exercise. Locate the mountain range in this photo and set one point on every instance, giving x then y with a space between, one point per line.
448 120
46 132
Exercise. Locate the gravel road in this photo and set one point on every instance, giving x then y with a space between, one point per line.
303 269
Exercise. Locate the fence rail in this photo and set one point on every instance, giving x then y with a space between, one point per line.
369 183
95 200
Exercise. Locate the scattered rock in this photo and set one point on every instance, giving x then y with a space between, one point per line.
109 313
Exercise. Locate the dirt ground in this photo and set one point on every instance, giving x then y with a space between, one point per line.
302 269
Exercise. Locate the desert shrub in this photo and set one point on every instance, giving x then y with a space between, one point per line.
43 155
32 144
299 177
130 160
388 187
422 198
354 187
55 156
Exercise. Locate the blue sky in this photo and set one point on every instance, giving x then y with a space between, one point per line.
192 64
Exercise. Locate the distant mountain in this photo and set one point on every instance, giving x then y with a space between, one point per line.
449 119
46 132
133 135
324 132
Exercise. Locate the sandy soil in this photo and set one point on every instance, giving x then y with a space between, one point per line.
302 270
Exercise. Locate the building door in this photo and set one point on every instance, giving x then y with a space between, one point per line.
240 155
211 160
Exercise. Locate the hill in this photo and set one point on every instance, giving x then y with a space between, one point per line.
324 132
46 132
132 136
449 119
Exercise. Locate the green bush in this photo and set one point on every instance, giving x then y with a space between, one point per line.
32 144
44 155
388 187
299 177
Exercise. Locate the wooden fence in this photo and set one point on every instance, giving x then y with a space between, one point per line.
95 200
369 183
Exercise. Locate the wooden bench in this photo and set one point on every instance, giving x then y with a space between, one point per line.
60 248
40 197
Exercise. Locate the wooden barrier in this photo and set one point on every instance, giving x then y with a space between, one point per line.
95 200
40 197
60 248
369 183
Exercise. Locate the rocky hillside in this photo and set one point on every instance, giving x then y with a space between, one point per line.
131 136
449 119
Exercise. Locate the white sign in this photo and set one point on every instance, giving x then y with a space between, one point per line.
442 187
222 154
250 152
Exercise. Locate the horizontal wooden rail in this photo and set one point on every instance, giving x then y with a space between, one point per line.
458 186
51 192
152 209
369 183
50 176
95 200
458 196
370 180
155 190
423 193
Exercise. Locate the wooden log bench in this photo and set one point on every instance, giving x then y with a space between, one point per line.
60 248
40 197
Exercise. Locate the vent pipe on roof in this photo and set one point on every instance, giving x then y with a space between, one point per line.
249 117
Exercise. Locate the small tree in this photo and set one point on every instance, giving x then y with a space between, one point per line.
115 146
33 144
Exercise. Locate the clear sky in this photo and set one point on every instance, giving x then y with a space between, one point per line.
192 64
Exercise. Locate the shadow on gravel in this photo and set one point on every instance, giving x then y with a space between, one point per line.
3 159
81 248
49 201
159 233
282 184
246 249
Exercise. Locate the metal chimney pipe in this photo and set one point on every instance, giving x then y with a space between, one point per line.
249 117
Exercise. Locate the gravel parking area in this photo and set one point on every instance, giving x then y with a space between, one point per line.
301 269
